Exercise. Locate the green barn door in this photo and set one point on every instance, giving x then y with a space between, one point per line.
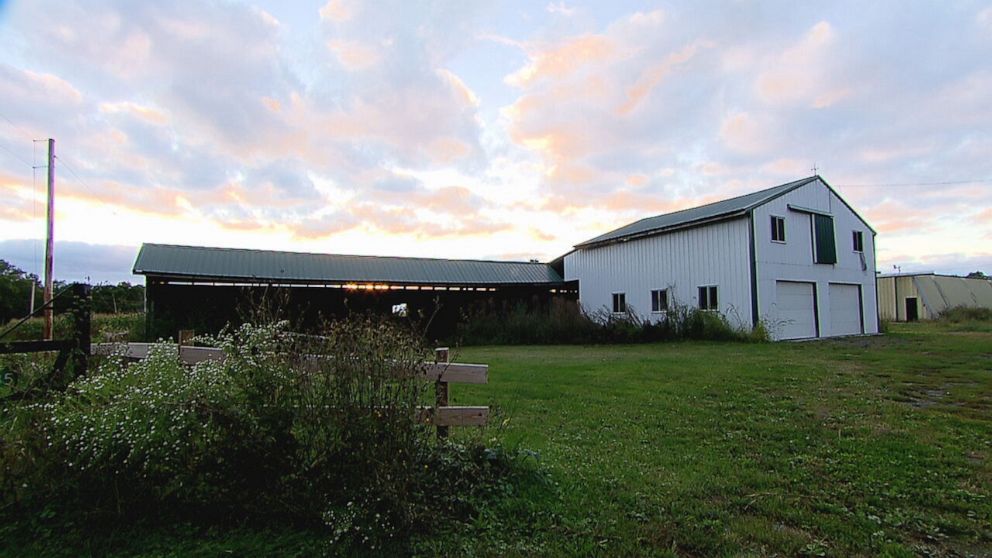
823 234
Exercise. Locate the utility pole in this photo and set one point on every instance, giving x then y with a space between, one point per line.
49 245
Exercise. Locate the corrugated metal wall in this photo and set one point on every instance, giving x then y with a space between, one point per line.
934 293
681 261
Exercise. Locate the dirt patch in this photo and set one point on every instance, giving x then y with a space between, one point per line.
925 398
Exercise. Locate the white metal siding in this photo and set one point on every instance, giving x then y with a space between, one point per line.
793 260
681 261
845 316
793 312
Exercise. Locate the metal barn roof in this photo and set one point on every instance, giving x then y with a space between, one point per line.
942 292
197 262
711 211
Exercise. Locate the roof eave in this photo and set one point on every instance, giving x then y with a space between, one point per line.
255 279
663 230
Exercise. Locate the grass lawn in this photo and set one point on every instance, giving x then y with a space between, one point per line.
862 446
865 446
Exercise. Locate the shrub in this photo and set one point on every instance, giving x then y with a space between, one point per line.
564 322
317 431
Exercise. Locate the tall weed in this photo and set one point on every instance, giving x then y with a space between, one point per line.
312 430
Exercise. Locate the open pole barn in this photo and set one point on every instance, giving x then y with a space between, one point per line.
202 288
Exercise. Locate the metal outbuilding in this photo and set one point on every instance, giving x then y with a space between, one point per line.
923 296
204 288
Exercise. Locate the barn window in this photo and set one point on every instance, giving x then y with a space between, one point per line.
619 303
778 229
824 245
659 300
708 299
859 241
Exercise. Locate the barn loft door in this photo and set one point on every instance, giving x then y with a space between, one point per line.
825 245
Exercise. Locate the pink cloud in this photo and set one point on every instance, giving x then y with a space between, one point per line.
564 59
354 55
653 75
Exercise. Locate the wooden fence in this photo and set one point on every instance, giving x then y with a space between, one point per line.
442 372
76 347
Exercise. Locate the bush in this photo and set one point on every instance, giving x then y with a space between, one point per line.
564 322
316 431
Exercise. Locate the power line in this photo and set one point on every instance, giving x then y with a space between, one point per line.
86 186
15 155
69 168
945 183
22 130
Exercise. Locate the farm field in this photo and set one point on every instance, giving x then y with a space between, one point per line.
863 446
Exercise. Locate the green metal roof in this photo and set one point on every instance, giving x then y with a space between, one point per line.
709 212
202 263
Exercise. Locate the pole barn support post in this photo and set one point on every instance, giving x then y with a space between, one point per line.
441 355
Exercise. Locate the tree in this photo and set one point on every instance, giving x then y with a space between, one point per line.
15 292
977 275
120 298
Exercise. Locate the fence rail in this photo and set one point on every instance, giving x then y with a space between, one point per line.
441 372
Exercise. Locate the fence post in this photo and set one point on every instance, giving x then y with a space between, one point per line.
441 355
82 308
185 338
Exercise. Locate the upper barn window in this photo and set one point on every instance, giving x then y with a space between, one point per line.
859 241
778 229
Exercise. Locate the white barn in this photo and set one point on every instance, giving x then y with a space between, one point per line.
796 257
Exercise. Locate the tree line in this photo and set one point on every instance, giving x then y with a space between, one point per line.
15 294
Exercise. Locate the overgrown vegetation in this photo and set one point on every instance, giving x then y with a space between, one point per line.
564 322
103 327
15 294
960 314
317 433
868 446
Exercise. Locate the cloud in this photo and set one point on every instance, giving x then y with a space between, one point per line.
407 126
559 8
354 55
338 10
803 72
984 19
564 59
653 75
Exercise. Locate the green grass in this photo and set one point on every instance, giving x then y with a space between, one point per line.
863 446
849 447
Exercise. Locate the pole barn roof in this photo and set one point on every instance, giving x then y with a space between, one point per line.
229 264
716 211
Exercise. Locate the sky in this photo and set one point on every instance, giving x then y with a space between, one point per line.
464 129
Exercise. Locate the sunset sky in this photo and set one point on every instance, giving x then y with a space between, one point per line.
505 130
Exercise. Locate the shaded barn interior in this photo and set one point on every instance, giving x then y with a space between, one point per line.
206 288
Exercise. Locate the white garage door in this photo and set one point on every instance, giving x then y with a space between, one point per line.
794 309
845 309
